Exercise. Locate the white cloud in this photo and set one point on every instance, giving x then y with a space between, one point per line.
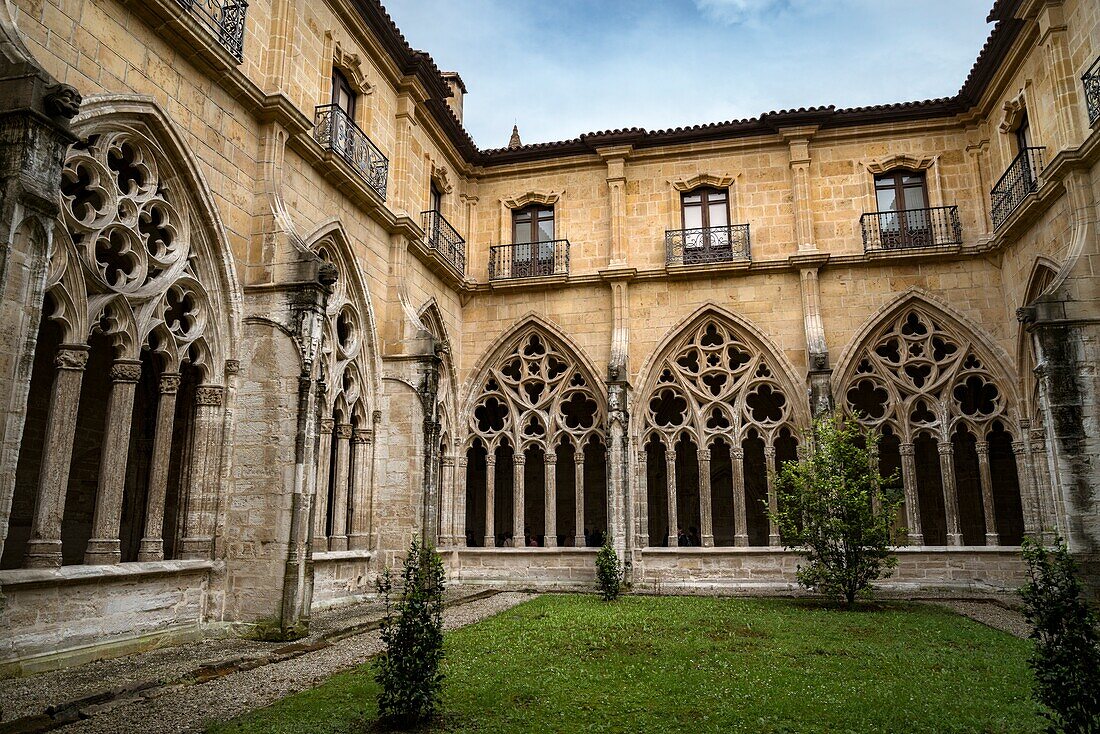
735 12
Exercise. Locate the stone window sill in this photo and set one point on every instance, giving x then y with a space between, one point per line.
95 574
347 555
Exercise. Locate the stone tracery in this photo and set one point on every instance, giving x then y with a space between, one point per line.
947 423
537 411
718 416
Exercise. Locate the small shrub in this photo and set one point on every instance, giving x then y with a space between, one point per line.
609 572
407 670
1066 657
837 510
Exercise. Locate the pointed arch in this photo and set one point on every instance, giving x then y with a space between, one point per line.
180 173
954 322
332 239
785 374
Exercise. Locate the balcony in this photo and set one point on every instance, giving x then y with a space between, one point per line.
335 131
1021 179
529 260
441 237
224 19
911 228
1091 80
707 245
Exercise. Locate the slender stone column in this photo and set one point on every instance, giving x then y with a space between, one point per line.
740 516
202 494
670 493
950 496
1051 514
44 546
490 500
460 503
339 539
1028 495
578 497
152 544
641 520
359 534
320 504
550 500
706 515
447 502
104 546
519 537
909 487
991 536
772 466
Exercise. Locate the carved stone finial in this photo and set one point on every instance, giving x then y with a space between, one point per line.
514 142
327 274
232 366
1026 314
61 100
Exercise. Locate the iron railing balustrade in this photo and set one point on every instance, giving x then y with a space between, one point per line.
440 236
337 132
529 260
911 228
1021 179
707 245
224 19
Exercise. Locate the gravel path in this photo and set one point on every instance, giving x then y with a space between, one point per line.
993 615
190 708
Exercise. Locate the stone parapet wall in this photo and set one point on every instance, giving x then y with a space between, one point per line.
537 568
53 618
341 576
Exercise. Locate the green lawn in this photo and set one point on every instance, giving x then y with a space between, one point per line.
693 664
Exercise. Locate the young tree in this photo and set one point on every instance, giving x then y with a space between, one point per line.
838 511
609 572
1066 657
407 670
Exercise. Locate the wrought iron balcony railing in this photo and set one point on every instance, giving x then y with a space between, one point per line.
339 133
529 260
1021 178
707 245
933 227
224 19
440 236
1091 80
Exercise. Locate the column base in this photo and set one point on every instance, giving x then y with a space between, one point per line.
445 541
103 552
774 540
338 543
741 541
550 541
43 554
579 542
992 539
707 541
359 541
954 539
490 541
195 549
915 538
151 549
320 545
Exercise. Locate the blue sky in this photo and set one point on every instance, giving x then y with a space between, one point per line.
560 68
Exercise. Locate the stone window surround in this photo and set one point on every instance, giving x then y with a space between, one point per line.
921 163
351 66
680 186
544 197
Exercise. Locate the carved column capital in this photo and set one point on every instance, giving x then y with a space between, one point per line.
945 448
704 454
125 370
737 453
376 417
769 452
343 431
71 357
519 459
907 449
327 424
232 366
448 461
1019 447
550 458
209 395
169 383
362 436
490 460
982 448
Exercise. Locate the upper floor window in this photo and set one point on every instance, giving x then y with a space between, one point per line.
901 190
343 96
705 208
533 224
1023 134
435 202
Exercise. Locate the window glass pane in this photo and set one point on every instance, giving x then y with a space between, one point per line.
914 197
521 227
693 217
692 199
887 200
546 229
912 179
718 214
716 196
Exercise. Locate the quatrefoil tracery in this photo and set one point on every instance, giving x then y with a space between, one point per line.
533 394
916 375
714 384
